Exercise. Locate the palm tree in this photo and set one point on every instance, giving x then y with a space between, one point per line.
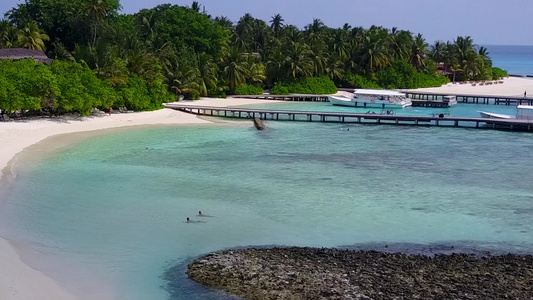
148 25
400 43
455 68
8 35
195 6
275 65
339 44
207 78
484 64
276 24
418 52
438 51
256 71
97 10
315 30
299 63
32 37
224 22
334 67
463 46
374 51
291 34
234 68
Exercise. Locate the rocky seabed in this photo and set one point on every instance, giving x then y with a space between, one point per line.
311 273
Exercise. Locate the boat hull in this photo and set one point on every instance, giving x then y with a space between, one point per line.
342 101
489 115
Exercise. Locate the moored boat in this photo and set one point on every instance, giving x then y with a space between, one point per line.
523 112
373 98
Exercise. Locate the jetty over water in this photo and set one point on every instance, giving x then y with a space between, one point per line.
291 97
426 99
468 98
356 118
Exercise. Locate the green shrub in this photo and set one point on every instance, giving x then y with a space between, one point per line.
279 89
498 73
357 81
248 89
194 95
401 75
312 85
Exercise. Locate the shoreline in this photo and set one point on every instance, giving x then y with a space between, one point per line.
18 280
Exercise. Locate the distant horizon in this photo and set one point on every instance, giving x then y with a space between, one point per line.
488 22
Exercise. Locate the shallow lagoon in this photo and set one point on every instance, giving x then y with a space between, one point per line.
106 217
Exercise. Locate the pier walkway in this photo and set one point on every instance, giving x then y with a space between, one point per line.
291 97
333 117
476 99
421 98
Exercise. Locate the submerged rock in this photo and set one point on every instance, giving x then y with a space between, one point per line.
258 123
310 273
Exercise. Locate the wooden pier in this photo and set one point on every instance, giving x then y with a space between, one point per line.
332 117
430 103
476 99
292 97
424 99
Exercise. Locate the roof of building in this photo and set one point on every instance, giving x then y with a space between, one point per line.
19 53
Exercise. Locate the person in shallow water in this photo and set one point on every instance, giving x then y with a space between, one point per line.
201 214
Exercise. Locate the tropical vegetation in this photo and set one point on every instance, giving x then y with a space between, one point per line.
158 54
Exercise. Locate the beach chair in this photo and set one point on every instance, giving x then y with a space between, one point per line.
6 118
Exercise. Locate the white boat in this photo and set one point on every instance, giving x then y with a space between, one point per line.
373 98
451 100
523 112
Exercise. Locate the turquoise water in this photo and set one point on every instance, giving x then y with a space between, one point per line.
459 110
106 217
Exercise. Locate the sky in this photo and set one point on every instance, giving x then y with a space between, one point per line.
488 22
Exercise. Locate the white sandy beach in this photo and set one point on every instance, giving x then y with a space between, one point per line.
18 281
511 87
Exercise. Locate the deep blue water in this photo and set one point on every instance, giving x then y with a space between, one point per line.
515 59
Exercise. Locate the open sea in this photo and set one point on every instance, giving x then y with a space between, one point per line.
106 217
516 60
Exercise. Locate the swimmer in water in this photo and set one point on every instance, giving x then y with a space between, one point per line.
188 220
148 148
201 214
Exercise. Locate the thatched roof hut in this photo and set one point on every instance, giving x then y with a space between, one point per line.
18 54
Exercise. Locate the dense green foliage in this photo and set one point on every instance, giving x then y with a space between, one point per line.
349 79
498 73
71 87
248 89
279 89
146 57
312 85
402 75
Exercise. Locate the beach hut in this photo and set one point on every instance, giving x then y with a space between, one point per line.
19 54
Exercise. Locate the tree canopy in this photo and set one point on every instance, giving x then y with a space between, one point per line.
170 50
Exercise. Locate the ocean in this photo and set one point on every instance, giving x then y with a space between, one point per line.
105 217
517 60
